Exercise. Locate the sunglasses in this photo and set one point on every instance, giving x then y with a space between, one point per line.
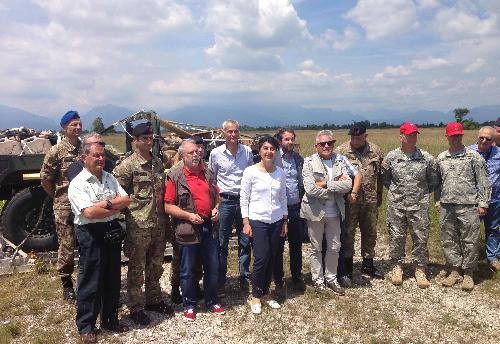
324 143
481 138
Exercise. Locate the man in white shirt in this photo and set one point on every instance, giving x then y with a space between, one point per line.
228 162
326 180
96 200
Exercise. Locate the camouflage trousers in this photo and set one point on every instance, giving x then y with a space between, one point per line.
398 222
460 235
175 271
67 241
365 215
145 249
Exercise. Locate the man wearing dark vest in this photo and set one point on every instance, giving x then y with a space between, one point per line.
192 200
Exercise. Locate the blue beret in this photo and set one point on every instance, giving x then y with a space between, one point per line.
68 116
357 129
142 129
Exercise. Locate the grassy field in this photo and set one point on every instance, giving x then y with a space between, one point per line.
31 309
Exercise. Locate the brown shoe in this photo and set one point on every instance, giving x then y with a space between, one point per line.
421 278
453 278
397 274
495 265
468 282
89 337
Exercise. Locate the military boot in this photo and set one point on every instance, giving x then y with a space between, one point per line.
368 268
68 290
397 274
468 282
421 278
452 279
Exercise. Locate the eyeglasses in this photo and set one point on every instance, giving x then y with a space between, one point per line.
324 143
481 138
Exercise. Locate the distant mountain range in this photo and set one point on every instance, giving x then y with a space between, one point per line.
11 117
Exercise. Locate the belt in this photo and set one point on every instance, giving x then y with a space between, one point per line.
229 196
294 206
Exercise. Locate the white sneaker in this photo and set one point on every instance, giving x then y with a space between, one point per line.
273 304
255 307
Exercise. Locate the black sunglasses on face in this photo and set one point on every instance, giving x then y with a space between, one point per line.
324 143
480 138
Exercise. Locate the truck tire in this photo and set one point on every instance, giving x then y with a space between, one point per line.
20 215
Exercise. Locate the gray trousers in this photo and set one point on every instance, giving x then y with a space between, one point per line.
327 269
460 235
398 222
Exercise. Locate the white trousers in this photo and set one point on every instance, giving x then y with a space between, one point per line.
324 270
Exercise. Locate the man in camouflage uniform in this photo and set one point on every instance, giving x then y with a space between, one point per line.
461 198
142 176
410 175
367 158
54 181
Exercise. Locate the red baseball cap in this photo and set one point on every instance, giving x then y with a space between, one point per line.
454 128
408 128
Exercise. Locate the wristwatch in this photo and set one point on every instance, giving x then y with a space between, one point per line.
109 205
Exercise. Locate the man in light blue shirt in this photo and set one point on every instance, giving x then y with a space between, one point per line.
228 162
491 154
292 163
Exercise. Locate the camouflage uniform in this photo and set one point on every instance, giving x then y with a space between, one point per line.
464 186
364 212
410 179
145 243
54 169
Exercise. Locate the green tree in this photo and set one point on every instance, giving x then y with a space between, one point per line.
460 113
98 125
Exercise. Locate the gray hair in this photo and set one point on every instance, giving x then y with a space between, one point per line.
86 145
490 129
230 121
183 143
324 133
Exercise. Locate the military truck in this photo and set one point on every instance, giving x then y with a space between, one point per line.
27 210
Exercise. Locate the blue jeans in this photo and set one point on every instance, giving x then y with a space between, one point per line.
492 231
266 247
229 213
207 249
295 238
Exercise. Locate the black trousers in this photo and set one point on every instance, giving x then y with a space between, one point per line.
99 278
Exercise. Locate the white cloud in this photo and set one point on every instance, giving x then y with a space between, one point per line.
342 41
311 70
477 64
251 34
488 82
429 63
392 72
459 23
119 20
427 4
384 18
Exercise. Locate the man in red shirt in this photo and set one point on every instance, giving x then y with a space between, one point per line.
192 199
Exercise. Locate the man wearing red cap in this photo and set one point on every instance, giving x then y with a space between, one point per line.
410 175
462 197
55 182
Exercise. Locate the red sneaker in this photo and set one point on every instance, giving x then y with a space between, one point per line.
189 314
217 309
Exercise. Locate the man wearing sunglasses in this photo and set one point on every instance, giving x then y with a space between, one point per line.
491 153
461 198
367 158
326 180
142 176
76 167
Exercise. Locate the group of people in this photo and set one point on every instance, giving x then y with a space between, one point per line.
268 199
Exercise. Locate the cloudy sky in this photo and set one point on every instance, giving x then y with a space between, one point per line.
166 54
